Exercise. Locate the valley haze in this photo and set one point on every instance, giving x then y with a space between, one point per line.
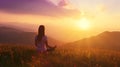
60 34
104 40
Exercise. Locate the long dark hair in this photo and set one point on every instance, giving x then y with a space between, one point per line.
41 32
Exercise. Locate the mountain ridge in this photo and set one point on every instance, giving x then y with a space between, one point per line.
105 40
9 35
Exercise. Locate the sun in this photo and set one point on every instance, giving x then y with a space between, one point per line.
83 24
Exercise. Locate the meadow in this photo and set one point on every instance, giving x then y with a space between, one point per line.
26 56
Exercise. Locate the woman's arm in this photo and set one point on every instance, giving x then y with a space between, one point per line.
47 45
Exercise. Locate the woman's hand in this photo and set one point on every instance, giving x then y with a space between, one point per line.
51 48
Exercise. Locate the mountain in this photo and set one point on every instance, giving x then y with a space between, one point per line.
20 26
105 40
10 35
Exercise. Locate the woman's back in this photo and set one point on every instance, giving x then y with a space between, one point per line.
41 44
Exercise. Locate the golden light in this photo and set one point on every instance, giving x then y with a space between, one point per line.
83 24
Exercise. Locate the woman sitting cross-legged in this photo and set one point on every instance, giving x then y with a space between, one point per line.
41 41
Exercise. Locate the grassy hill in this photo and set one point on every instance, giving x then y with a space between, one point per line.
26 56
97 51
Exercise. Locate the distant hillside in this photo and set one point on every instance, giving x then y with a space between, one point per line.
20 26
105 40
15 36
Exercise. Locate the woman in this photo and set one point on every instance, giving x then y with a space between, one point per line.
41 41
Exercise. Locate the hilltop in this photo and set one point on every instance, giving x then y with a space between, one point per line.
105 40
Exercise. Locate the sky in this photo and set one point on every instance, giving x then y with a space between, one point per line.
62 18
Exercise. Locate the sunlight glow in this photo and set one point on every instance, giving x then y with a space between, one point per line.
83 24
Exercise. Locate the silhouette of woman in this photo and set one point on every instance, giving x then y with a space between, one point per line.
41 41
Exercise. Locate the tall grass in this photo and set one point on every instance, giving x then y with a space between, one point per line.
26 56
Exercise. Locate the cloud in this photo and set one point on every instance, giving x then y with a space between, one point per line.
62 3
65 4
38 7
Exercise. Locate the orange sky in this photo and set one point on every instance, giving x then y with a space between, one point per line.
66 28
